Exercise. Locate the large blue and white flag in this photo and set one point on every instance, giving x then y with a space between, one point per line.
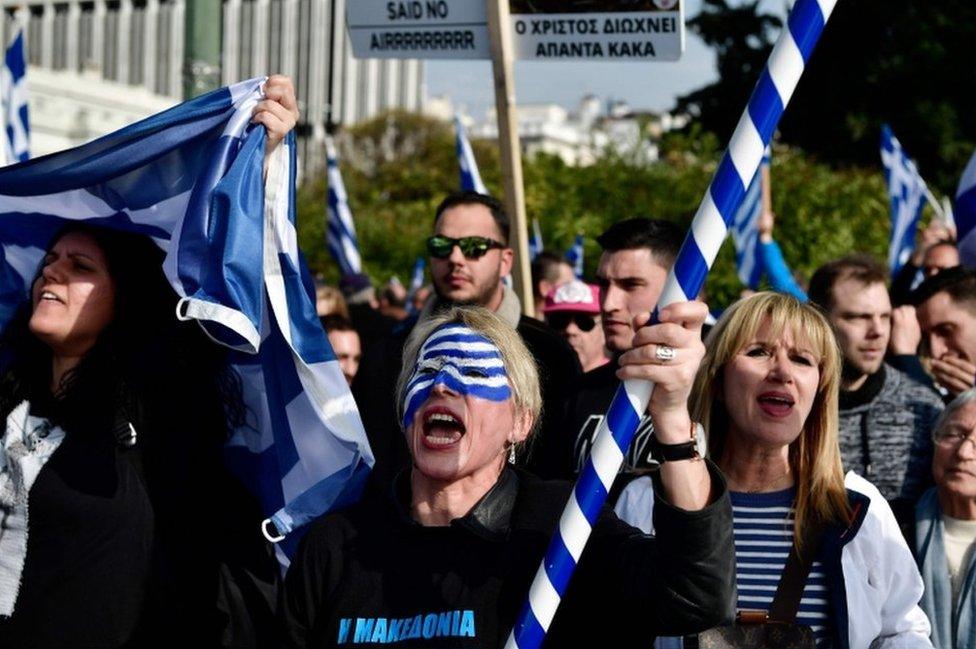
965 214
15 145
535 241
907 192
470 178
191 179
340 230
745 230
575 256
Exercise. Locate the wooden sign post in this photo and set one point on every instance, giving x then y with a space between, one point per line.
500 42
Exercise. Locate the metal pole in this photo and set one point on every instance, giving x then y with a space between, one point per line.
201 67
500 35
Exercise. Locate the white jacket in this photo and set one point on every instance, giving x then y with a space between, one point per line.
882 586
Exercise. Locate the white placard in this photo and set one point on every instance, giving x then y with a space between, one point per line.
649 30
418 29
556 30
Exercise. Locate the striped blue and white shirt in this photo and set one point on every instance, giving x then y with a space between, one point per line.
763 527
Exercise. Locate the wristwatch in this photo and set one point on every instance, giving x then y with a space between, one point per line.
690 450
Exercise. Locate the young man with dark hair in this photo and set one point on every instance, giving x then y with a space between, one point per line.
549 270
946 307
886 417
345 344
637 254
469 257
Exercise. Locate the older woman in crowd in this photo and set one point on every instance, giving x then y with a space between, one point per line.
945 528
767 395
449 554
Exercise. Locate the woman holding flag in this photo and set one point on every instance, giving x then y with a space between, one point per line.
451 551
121 526
767 394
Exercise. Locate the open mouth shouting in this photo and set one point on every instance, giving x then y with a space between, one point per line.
775 404
442 428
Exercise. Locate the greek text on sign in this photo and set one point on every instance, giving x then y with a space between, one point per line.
638 30
418 29
634 30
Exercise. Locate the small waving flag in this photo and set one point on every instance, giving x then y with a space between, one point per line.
340 230
907 192
470 178
535 241
745 230
15 145
416 282
965 214
575 256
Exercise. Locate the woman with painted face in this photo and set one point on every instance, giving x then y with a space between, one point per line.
448 555
767 395
120 526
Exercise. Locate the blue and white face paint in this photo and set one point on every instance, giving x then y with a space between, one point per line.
462 360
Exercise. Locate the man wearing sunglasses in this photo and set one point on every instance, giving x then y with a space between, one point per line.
469 258
573 311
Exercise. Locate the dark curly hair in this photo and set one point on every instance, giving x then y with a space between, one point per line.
144 361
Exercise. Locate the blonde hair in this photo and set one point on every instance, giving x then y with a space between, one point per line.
331 300
814 456
523 376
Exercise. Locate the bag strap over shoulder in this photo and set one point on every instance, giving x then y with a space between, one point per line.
786 603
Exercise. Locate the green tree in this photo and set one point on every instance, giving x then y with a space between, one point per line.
823 212
742 37
906 63
901 62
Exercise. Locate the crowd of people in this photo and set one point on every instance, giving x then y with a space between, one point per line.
806 465
839 411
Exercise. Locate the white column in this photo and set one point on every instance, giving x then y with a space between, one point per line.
150 52
318 73
391 81
98 37
176 37
350 85
72 35
260 26
230 56
47 36
123 41
371 89
289 27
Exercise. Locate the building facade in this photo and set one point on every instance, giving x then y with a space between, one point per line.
96 65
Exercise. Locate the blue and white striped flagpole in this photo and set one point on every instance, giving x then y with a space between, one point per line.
708 229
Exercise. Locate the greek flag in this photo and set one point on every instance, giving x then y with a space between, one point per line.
191 179
470 178
535 241
965 214
416 282
13 103
745 230
575 256
340 230
906 189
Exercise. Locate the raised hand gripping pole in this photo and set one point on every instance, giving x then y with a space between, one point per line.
708 229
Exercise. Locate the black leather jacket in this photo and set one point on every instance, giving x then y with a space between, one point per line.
373 575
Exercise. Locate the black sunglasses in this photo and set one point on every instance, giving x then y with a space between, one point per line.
440 247
561 319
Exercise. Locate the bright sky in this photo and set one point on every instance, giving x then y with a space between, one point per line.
643 85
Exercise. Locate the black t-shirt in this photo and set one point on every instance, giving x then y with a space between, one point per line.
585 412
370 575
89 549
